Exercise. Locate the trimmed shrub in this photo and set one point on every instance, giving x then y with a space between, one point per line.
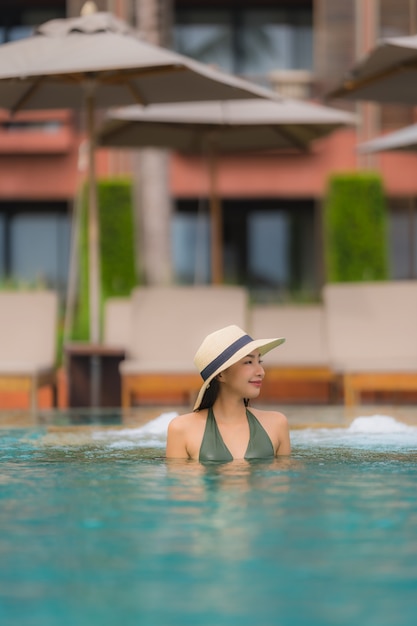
117 249
117 242
355 228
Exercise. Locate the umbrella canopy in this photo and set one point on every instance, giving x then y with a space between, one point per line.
403 139
387 74
221 127
65 57
97 61
230 126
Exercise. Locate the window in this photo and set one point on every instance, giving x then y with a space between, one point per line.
249 42
38 243
18 22
268 246
275 40
48 126
268 237
403 239
206 35
191 254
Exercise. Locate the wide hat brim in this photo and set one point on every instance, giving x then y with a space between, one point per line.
263 345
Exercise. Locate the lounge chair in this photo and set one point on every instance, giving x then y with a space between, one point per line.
168 325
28 331
372 338
117 322
300 367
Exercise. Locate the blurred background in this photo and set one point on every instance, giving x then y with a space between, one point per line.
273 236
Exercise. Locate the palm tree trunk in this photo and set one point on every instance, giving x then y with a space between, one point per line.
153 207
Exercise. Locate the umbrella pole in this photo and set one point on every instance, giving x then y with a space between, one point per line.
216 223
93 229
73 265
93 254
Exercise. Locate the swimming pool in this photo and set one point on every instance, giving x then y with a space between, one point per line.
97 528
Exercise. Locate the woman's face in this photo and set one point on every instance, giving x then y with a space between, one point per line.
245 377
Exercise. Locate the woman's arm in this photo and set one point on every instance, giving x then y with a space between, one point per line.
176 441
284 448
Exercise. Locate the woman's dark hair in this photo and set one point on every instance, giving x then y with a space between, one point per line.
210 396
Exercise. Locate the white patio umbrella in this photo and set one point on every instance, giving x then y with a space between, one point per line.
388 73
212 128
404 139
97 61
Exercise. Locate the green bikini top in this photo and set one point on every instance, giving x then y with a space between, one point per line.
213 447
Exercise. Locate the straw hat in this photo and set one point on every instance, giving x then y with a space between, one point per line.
222 349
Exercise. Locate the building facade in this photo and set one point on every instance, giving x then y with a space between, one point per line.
271 202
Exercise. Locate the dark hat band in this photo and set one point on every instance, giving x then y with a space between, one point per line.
224 356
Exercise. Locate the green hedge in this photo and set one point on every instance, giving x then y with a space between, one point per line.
355 228
117 248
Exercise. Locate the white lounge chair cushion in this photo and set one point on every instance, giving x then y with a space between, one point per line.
304 331
371 326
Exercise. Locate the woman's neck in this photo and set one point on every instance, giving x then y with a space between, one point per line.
229 409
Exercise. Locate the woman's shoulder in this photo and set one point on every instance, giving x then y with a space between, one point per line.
269 416
184 420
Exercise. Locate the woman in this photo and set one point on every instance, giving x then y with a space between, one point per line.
222 428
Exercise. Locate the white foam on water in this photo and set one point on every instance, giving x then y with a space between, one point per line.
365 432
379 424
150 435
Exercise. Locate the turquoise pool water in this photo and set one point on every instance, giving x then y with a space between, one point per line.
98 529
